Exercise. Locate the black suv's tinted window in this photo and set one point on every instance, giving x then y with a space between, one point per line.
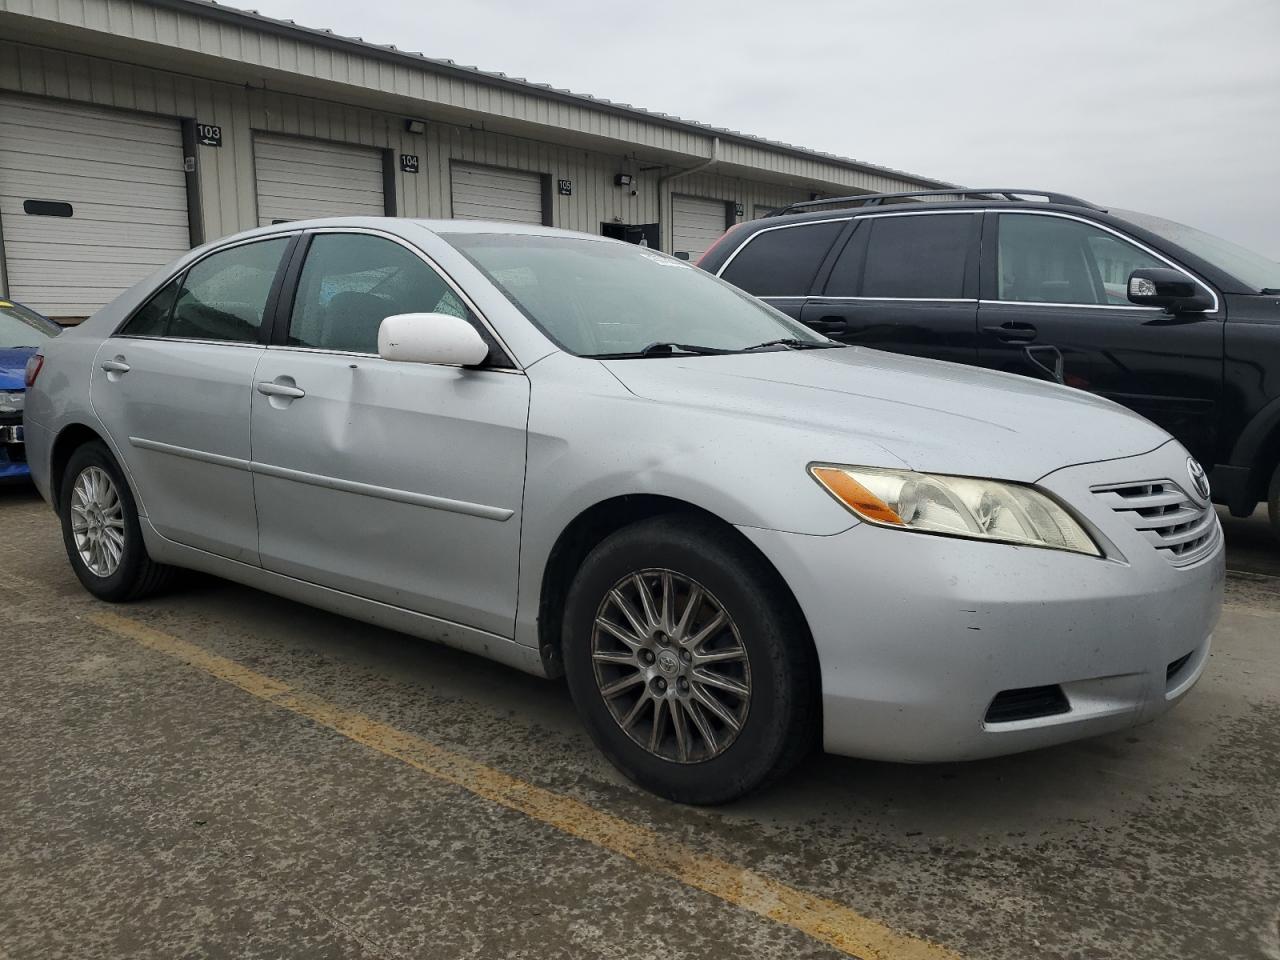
917 257
224 296
1045 259
782 262
351 282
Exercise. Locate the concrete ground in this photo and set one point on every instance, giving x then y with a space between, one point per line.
219 773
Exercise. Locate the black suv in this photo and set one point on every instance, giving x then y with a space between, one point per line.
1176 324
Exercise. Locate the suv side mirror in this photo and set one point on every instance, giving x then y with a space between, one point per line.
1171 289
431 338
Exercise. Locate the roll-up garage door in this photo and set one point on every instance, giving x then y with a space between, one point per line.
91 201
298 179
493 193
696 224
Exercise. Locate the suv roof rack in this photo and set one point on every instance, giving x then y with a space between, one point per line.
985 193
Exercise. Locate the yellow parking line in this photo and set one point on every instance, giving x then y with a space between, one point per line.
825 920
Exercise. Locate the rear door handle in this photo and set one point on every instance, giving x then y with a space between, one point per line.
116 366
828 324
1012 332
273 388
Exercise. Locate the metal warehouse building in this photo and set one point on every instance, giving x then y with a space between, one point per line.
131 130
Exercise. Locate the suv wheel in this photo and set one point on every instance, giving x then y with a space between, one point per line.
100 529
687 662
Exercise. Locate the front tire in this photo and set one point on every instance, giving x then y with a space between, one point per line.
100 529
689 662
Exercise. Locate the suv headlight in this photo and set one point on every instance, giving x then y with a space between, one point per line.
954 506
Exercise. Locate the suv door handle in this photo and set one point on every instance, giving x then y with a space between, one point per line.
828 324
274 388
116 366
1012 332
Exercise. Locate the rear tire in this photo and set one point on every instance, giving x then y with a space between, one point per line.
707 694
100 529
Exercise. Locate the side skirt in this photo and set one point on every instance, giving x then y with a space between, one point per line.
451 634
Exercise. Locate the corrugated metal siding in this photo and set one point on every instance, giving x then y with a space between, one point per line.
259 47
121 176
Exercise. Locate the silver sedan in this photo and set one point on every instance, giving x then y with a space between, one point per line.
735 538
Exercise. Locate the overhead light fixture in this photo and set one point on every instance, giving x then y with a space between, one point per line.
415 126
623 179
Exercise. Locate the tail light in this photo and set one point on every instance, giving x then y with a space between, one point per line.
34 365
719 243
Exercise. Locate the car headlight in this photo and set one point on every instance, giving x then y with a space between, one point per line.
954 506
11 401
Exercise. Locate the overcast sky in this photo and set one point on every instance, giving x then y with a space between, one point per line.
1166 106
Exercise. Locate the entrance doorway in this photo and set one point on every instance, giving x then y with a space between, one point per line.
645 234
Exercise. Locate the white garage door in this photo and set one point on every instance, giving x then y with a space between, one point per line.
91 201
298 179
492 193
695 224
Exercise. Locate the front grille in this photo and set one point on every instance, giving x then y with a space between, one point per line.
1027 703
1168 519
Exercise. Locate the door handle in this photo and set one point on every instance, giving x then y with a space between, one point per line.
273 388
1012 332
116 366
828 324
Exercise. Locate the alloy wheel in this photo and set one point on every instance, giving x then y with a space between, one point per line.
671 666
97 521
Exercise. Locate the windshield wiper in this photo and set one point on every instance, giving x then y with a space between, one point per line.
662 348
794 344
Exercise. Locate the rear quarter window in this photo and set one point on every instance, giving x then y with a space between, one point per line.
782 261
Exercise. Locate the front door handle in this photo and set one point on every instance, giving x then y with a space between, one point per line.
116 366
1012 332
828 324
277 388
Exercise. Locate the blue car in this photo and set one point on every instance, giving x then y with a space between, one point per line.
22 332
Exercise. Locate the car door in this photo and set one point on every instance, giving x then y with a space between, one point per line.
779 264
1055 300
904 282
172 388
397 482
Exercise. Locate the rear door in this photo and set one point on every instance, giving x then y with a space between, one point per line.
904 282
779 264
172 388
1055 296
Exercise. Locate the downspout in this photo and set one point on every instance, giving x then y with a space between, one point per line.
664 195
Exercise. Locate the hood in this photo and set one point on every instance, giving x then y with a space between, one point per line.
932 416
13 367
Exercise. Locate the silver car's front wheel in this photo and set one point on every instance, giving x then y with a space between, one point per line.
97 521
670 664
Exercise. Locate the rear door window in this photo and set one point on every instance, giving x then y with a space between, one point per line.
915 257
224 296
782 262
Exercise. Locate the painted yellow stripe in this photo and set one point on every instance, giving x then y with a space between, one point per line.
825 920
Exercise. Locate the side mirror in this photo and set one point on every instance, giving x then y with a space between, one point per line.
1170 289
431 338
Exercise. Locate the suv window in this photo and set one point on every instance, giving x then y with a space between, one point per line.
1046 259
917 257
783 261
351 282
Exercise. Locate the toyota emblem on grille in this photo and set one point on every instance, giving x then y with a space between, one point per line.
1198 479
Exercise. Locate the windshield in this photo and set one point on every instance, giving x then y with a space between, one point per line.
1252 269
20 327
597 298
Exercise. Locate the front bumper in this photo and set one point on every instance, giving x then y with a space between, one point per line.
917 635
13 451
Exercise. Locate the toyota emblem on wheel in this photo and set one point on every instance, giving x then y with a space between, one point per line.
1199 479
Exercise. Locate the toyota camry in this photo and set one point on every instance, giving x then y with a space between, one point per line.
736 538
